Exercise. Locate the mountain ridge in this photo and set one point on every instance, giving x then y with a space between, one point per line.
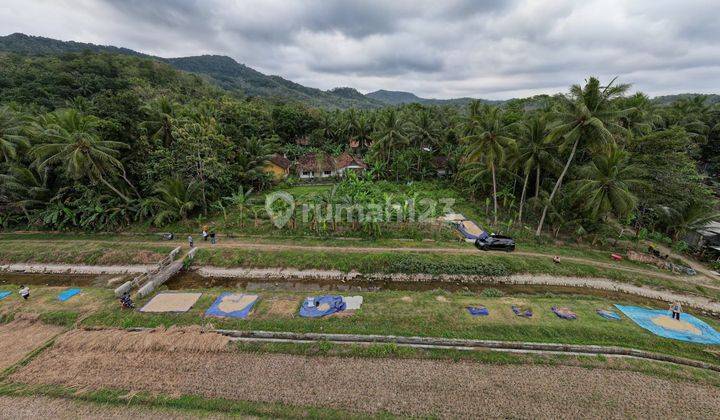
233 76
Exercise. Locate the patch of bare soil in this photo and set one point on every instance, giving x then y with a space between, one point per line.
58 408
20 337
406 299
400 386
284 307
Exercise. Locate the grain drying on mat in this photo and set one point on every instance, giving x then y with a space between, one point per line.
21 336
399 386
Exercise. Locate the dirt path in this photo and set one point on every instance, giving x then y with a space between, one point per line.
59 408
688 261
235 243
399 386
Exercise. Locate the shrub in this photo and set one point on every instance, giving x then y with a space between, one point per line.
492 292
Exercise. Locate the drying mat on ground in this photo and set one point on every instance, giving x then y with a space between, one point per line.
4 294
171 302
232 305
564 313
527 313
477 310
67 294
471 230
660 323
316 307
352 303
609 315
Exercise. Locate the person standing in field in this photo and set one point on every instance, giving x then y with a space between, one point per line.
190 241
676 309
205 233
25 292
212 237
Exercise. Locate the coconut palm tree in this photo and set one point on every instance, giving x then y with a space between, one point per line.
424 131
690 217
174 199
534 154
586 119
640 115
23 188
488 140
392 136
160 119
12 133
360 129
607 183
74 144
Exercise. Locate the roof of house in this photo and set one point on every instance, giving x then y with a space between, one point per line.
316 162
280 161
710 229
440 162
346 159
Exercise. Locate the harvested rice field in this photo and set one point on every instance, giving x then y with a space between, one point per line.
20 337
60 408
93 360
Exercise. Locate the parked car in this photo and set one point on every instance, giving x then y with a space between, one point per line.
488 242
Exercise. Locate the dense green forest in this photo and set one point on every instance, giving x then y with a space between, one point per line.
99 141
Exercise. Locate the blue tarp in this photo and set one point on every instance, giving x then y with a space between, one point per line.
477 310
67 294
702 333
610 315
468 235
4 294
229 298
322 306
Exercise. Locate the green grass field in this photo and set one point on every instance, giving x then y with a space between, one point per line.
397 313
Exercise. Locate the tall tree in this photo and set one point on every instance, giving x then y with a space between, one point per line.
13 126
487 142
607 183
586 119
390 138
72 143
534 154
160 119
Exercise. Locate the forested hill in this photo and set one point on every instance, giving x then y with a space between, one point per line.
236 77
221 70
394 97
670 99
231 75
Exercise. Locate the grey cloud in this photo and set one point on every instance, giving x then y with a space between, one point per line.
490 48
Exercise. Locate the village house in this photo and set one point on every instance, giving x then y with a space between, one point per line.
279 166
322 165
440 163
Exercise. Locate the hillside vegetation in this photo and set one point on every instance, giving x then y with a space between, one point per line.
99 141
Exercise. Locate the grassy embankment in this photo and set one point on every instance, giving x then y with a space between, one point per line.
74 252
485 264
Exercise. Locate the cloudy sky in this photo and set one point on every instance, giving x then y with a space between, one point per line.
481 48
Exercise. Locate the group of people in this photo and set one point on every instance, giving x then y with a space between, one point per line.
206 233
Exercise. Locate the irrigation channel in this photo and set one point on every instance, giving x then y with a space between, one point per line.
192 280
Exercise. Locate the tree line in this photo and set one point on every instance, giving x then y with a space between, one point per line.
102 141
